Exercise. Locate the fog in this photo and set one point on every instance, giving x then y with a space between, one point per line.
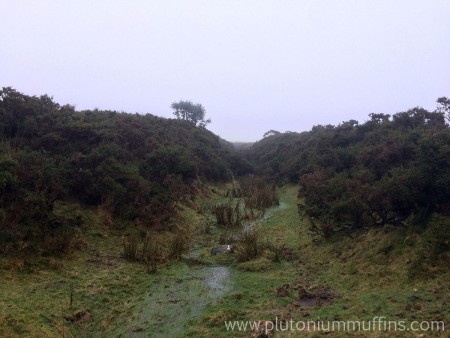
254 65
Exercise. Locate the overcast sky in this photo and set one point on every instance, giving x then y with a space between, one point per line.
255 65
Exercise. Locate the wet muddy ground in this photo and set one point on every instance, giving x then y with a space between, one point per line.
183 292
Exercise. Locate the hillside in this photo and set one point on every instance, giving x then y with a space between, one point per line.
384 171
55 161
118 224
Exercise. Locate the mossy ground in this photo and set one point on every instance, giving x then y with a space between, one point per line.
369 274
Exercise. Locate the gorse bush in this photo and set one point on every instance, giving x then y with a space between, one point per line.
353 175
134 168
432 248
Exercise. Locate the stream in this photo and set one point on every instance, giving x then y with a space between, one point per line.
183 291
180 295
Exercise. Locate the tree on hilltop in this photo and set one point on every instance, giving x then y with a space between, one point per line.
195 113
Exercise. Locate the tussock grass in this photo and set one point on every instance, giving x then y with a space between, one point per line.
229 214
179 244
152 252
249 247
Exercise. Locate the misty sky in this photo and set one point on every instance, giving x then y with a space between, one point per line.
254 64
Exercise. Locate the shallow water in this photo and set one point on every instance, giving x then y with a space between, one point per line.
217 279
182 292
179 296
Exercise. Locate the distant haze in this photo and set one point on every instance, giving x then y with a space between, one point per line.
255 65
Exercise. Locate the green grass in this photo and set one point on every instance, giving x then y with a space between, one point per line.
38 293
368 274
35 301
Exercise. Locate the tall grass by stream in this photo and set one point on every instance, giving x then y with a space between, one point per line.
247 202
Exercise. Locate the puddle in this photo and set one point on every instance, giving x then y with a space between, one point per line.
179 297
218 276
182 292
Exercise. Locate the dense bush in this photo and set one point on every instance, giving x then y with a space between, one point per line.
356 175
132 167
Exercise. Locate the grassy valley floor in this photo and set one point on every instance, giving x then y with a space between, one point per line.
366 276
97 293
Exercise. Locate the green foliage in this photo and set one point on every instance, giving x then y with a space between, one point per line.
173 160
249 246
194 113
353 175
8 183
432 249
134 168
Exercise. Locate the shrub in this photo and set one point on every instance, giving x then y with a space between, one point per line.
228 214
433 248
152 252
64 240
131 248
249 246
179 244
258 194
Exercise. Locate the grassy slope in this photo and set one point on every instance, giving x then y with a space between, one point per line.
368 274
